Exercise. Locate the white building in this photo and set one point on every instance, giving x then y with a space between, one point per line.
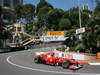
10 3
86 7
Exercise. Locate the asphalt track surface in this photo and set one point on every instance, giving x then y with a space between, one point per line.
21 63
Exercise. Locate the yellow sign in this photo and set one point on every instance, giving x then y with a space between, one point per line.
55 33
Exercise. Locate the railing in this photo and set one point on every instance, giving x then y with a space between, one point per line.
32 40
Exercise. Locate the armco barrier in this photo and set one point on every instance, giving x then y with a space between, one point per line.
77 56
69 55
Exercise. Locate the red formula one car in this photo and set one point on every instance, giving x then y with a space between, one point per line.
50 59
45 58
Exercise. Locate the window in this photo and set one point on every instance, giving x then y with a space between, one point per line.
7 3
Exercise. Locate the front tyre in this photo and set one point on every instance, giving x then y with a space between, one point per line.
65 64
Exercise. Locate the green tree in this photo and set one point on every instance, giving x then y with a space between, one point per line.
74 16
97 10
43 11
29 12
67 14
43 7
54 17
19 11
85 18
91 39
31 27
42 4
26 11
71 41
9 15
42 17
0 11
1 22
64 24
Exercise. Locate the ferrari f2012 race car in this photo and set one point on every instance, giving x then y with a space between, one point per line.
49 58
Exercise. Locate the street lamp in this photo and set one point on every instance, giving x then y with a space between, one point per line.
80 22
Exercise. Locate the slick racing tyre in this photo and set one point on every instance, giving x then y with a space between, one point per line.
38 59
65 65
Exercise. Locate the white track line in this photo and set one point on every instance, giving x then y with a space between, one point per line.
94 64
8 60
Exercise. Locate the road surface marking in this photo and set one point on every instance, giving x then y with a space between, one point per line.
94 63
8 60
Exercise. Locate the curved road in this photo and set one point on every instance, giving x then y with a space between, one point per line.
21 63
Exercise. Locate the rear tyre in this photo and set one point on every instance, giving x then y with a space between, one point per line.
38 59
65 64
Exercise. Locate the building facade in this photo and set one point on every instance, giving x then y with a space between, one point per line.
86 7
10 3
